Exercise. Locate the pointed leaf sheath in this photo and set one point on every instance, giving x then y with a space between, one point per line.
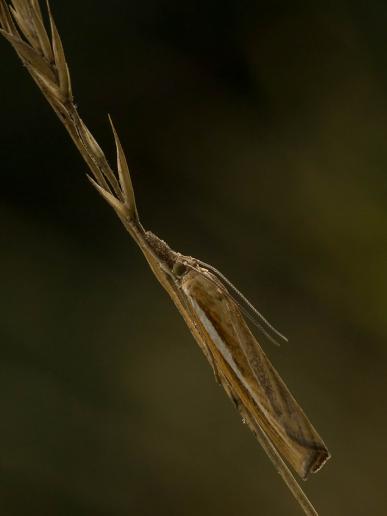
117 206
124 176
60 60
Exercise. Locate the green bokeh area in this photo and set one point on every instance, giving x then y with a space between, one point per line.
256 133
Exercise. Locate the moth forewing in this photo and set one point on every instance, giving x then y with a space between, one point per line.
250 374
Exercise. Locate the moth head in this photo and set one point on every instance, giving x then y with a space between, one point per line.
179 269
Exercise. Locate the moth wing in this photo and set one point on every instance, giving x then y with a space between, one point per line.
297 436
252 382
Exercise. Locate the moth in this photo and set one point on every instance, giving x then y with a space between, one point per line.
210 305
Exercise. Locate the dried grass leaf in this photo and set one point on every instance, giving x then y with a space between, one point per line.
96 153
124 175
23 18
29 56
36 9
120 208
59 57
50 88
44 40
6 20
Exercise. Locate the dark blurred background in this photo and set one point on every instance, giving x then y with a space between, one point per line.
256 133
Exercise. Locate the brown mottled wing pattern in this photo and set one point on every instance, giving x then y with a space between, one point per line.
251 380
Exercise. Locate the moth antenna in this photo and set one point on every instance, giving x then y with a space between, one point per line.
254 321
257 318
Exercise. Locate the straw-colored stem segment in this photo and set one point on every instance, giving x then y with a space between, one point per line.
285 473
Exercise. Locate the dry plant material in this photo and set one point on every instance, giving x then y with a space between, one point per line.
209 304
